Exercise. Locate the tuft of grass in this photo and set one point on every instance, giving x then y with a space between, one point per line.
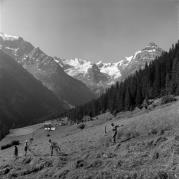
167 99
81 126
153 132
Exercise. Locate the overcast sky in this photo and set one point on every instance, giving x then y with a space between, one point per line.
96 30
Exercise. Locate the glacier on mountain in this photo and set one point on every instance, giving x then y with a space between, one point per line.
106 74
97 76
8 37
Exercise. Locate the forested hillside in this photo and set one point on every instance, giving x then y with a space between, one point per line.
159 78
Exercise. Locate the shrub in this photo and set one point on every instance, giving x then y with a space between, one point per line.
80 163
153 132
81 126
163 175
155 155
167 99
6 146
14 142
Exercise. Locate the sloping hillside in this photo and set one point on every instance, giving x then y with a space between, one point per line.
23 99
147 147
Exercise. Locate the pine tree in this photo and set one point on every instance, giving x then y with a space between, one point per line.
174 72
156 84
138 100
167 85
127 100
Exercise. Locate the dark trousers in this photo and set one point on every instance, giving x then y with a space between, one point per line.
51 150
114 137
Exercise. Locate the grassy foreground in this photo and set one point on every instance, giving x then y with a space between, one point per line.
147 147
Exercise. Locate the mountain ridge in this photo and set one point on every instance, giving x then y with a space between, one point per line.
44 68
96 76
110 73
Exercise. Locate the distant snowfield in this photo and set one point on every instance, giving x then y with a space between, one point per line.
8 37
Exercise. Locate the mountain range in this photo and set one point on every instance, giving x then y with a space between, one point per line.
35 85
71 78
60 75
99 76
44 68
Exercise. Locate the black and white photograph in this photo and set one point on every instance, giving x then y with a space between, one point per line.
89 89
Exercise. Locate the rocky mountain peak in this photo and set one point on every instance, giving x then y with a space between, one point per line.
8 37
36 52
102 75
152 44
152 47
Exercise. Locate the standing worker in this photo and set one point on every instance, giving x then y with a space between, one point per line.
105 130
15 152
51 147
54 146
26 147
114 129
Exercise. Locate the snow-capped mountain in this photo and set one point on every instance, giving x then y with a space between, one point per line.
99 76
44 68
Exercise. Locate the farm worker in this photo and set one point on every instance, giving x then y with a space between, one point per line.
105 130
114 129
15 152
57 148
54 146
26 147
51 147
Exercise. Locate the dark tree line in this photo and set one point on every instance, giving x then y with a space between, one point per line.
158 78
